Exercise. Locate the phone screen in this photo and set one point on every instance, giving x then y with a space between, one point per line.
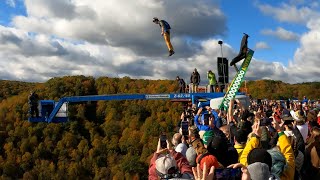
228 173
185 128
163 141
206 119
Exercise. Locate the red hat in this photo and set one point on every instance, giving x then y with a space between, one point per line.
209 159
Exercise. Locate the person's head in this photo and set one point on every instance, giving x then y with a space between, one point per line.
195 70
279 162
226 130
300 117
288 122
177 78
193 132
215 144
240 137
259 155
259 164
176 139
166 167
191 156
155 20
209 159
315 133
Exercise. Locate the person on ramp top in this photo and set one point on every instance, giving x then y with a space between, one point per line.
165 32
243 50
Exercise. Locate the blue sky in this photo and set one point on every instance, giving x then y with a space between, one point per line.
41 39
9 9
247 18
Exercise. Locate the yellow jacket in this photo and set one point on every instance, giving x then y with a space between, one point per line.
239 148
285 149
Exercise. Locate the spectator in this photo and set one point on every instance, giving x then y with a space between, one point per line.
191 155
312 156
301 124
170 165
278 162
304 100
212 81
240 139
226 131
208 159
259 161
182 85
217 144
195 81
206 118
179 144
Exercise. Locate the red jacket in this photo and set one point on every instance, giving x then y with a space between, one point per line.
182 164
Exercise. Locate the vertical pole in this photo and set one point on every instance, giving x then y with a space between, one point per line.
223 65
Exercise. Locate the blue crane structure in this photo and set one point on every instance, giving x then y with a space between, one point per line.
49 108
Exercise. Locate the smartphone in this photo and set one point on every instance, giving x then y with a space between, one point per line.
206 119
163 141
228 173
185 128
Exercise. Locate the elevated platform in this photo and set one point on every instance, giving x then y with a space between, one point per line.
52 111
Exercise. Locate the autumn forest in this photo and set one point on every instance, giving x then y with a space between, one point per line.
104 139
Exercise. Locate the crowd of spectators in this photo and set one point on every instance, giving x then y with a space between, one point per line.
267 140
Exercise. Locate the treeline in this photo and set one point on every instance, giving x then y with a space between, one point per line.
279 90
102 140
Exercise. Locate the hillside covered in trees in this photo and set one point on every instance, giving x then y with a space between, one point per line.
103 139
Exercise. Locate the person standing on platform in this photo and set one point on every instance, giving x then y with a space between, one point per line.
182 85
212 81
33 103
195 80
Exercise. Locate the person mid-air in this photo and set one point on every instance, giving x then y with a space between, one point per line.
165 32
243 50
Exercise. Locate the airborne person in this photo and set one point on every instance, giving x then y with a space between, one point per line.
243 50
165 32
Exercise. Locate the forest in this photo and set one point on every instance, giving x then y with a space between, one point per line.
104 139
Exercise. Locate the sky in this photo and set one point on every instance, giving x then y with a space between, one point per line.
42 39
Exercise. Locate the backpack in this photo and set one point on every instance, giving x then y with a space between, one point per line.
166 24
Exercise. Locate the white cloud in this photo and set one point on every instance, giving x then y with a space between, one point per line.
305 64
117 38
123 23
282 34
262 45
289 13
11 3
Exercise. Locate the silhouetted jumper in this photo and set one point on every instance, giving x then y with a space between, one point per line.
243 50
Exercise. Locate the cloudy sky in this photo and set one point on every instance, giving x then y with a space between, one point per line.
41 39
